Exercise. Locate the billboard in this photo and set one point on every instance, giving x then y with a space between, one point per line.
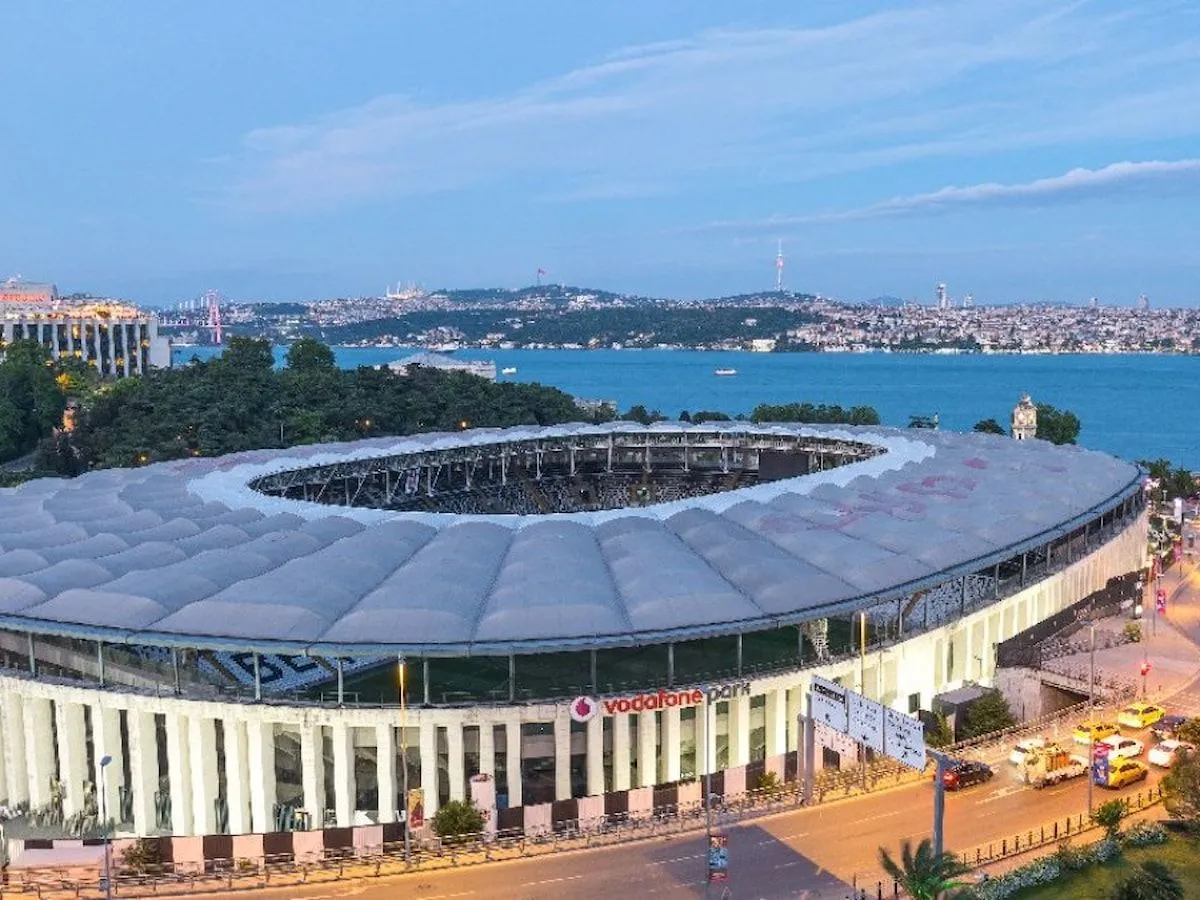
416 808
718 857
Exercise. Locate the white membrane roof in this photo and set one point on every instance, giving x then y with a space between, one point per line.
186 552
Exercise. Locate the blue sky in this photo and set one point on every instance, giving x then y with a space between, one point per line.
1021 150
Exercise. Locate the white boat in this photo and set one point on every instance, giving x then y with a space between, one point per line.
725 372
509 370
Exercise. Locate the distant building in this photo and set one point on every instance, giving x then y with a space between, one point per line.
116 338
14 291
1024 419
481 368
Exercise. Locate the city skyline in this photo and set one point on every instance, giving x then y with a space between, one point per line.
1019 154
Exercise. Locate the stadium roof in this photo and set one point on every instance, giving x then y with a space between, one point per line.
186 553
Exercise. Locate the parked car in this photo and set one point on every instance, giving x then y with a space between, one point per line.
1140 715
1023 748
1086 732
1167 726
965 773
1125 771
1165 753
1120 747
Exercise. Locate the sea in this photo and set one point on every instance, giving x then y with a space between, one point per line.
1136 406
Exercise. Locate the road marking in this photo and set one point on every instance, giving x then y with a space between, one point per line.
551 881
881 816
782 837
663 862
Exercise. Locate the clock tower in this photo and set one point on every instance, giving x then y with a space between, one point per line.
1024 419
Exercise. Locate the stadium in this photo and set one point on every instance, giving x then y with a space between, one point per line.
589 616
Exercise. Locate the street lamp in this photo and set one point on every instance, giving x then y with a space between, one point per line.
104 763
1091 717
402 666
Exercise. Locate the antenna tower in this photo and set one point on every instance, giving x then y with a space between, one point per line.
779 268
212 302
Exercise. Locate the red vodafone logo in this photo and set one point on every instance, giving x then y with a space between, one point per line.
584 709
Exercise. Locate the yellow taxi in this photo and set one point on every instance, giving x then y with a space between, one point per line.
1087 732
1140 715
1125 771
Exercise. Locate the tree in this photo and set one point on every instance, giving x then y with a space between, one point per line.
308 355
1058 426
1155 881
1108 815
924 875
989 426
1189 731
941 735
708 415
1182 790
458 819
35 402
638 413
987 715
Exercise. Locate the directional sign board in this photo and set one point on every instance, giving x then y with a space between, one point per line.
829 704
904 738
866 721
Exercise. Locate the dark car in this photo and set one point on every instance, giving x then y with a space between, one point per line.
1165 728
966 773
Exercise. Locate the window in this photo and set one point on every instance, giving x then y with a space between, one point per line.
914 702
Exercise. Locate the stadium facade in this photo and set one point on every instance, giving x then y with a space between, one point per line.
580 610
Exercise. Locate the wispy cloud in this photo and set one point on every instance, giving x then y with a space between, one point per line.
794 103
1077 184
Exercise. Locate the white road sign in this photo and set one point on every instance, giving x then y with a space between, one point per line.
866 721
904 738
829 703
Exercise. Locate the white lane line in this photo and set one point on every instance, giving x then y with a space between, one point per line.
550 881
674 859
778 839
881 816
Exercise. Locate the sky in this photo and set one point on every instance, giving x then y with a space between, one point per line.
1025 150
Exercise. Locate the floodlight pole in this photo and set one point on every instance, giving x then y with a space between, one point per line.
1091 716
709 739
939 802
104 762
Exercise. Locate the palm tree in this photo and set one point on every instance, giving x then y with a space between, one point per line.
1154 882
923 874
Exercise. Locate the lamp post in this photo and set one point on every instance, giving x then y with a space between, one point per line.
1091 716
709 740
402 666
104 763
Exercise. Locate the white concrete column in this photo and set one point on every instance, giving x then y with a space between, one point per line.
202 755
707 721
671 742
39 751
12 732
429 765
343 774
621 740
143 769
795 706
179 774
260 755
237 776
312 773
487 749
562 756
385 771
739 731
106 741
512 744
647 758
775 717
456 763
595 755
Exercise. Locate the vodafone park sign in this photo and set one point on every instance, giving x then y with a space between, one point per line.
584 709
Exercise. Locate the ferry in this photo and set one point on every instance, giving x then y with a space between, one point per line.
725 372
509 370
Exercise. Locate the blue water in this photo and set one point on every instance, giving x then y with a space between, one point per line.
1134 406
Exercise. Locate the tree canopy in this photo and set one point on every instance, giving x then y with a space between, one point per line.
989 714
31 400
819 414
923 874
457 819
989 426
240 401
1177 481
1058 426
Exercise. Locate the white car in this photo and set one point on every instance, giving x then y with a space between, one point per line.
1165 753
1121 747
1017 755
